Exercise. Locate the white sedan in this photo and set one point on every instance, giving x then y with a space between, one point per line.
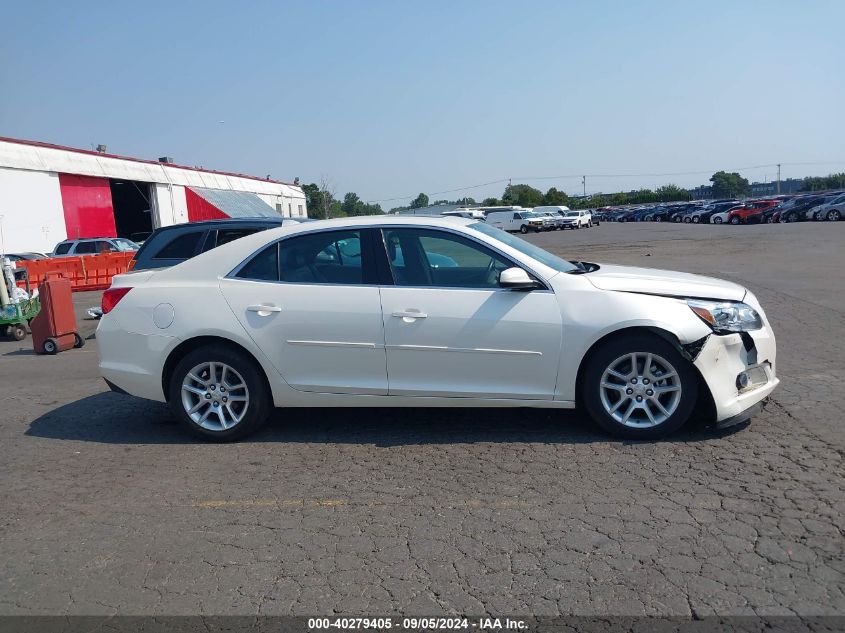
430 312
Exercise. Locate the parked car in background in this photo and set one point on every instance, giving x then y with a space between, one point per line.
312 315
515 220
93 246
832 210
577 219
798 211
705 213
171 245
750 211
17 257
552 221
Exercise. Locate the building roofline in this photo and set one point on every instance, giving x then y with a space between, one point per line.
76 150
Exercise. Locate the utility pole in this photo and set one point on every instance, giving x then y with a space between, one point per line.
778 178
584 184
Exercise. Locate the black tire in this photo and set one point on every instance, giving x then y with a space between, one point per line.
791 217
259 404
78 341
605 355
833 215
735 220
51 346
523 229
696 219
17 331
718 220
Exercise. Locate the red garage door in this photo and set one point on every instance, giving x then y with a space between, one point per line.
87 205
201 209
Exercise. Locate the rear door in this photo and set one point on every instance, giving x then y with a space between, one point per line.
310 302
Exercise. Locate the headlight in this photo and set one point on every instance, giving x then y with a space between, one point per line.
726 316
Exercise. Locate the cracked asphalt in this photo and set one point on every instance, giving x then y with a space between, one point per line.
107 507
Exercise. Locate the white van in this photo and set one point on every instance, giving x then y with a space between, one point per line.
522 220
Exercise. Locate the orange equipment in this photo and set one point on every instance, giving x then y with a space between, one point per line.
54 328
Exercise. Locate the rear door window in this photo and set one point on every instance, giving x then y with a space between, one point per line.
224 236
183 246
85 248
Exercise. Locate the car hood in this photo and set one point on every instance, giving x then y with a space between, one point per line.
663 282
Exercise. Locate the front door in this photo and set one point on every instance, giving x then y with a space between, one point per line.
307 302
450 330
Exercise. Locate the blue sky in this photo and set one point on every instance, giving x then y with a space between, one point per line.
392 98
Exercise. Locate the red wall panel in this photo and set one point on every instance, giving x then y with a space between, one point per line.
87 205
201 209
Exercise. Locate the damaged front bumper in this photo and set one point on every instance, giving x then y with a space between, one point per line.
739 370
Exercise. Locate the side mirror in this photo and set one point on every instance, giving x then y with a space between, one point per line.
516 279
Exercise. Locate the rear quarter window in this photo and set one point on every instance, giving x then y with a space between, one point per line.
62 249
181 247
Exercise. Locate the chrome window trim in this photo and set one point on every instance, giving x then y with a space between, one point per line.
380 227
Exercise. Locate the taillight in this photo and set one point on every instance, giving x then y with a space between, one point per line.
131 264
111 297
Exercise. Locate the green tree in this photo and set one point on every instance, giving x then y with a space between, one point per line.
420 201
490 202
312 197
555 198
522 195
672 193
816 183
349 204
727 185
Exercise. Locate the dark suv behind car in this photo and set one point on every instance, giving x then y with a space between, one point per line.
171 245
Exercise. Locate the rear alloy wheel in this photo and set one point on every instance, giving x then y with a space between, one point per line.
735 219
219 393
639 387
833 215
791 217
717 220
523 229
695 219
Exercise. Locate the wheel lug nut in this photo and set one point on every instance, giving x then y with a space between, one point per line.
213 387
225 399
208 396
649 392
629 391
645 381
639 398
633 381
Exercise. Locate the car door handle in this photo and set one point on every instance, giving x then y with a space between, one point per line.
409 314
263 310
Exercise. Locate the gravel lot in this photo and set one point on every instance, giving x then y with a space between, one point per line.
108 508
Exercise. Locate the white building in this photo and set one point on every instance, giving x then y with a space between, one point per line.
49 193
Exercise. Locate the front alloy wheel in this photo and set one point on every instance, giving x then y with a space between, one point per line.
640 390
717 220
833 215
639 386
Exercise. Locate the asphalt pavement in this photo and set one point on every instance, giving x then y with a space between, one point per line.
109 508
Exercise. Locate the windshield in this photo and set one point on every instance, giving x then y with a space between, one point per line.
125 245
526 248
572 214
